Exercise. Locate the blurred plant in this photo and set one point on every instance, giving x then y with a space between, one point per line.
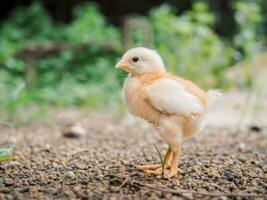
81 74
249 39
189 46
24 26
162 160
4 154
88 28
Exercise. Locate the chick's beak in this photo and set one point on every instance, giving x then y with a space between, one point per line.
122 64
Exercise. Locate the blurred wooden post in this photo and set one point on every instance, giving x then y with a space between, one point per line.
137 23
33 52
31 72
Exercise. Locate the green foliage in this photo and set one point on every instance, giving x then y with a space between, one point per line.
188 44
24 26
83 73
4 154
88 27
40 29
249 19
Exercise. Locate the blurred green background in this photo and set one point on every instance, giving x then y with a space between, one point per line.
62 53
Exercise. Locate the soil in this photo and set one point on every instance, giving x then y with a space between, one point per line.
218 164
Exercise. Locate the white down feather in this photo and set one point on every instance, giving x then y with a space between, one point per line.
170 96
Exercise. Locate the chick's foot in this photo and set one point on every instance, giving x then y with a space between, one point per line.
154 169
168 173
172 173
148 167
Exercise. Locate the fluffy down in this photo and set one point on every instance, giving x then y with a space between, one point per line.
169 96
173 105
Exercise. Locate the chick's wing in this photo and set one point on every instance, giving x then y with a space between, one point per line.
170 96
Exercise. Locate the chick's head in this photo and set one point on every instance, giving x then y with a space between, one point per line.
141 60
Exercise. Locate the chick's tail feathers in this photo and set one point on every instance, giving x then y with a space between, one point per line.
213 95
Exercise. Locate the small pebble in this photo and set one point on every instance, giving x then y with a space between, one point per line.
255 128
70 174
74 131
81 166
8 181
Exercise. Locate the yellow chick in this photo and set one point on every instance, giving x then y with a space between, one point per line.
173 105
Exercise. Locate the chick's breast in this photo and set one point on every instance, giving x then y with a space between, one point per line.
135 100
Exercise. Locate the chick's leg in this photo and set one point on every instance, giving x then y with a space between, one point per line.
167 162
174 163
168 158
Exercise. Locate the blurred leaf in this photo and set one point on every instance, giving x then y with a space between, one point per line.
249 20
4 154
88 28
5 151
6 158
83 73
188 44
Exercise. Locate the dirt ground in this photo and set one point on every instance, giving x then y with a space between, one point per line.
218 163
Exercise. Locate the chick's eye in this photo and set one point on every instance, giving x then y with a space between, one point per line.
135 59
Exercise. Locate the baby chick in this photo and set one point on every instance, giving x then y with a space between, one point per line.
173 105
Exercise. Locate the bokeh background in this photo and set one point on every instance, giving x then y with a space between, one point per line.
61 53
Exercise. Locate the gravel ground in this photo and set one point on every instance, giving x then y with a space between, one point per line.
217 164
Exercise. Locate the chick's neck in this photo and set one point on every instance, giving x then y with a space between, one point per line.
148 77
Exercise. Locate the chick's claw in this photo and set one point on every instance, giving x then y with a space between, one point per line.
153 169
155 172
173 173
